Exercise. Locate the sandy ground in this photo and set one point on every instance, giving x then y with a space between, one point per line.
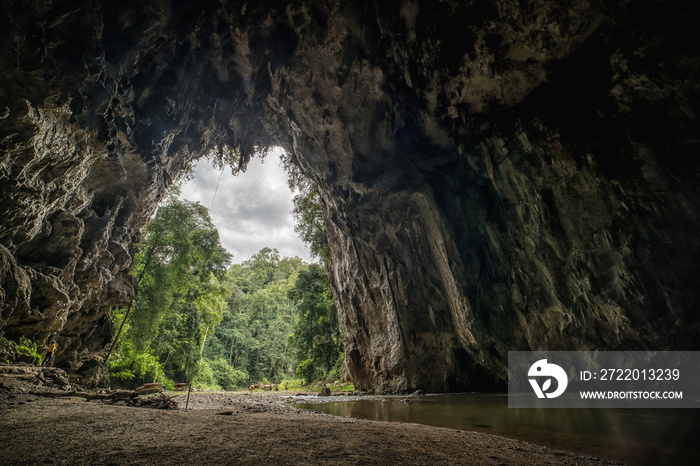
238 428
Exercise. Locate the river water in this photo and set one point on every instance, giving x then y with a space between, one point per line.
630 436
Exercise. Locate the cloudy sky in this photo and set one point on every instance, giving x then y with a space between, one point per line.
251 210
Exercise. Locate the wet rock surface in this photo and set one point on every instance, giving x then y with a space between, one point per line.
494 176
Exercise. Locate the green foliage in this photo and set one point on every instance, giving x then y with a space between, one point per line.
181 295
252 337
167 384
234 158
343 387
29 349
291 384
204 378
226 376
25 351
306 370
308 211
184 259
135 365
120 373
316 339
300 385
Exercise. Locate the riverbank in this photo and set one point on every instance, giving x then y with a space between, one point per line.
239 428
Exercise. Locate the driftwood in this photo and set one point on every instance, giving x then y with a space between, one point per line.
161 401
149 388
55 384
126 397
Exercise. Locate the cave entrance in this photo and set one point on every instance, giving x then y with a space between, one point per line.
204 319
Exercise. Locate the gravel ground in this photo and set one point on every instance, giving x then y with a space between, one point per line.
237 428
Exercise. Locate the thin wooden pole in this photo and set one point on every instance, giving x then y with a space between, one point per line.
189 390
199 365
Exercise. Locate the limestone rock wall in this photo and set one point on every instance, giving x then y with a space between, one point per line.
82 165
495 175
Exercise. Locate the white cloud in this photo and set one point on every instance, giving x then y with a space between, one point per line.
251 210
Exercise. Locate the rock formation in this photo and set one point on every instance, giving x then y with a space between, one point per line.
495 175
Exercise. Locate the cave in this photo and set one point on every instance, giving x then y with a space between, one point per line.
495 175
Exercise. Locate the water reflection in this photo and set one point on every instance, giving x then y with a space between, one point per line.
632 436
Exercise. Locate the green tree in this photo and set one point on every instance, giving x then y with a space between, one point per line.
308 210
258 319
316 338
261 269
181 295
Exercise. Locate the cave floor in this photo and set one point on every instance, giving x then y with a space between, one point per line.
239 428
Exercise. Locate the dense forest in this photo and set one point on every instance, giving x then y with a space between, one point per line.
198 318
